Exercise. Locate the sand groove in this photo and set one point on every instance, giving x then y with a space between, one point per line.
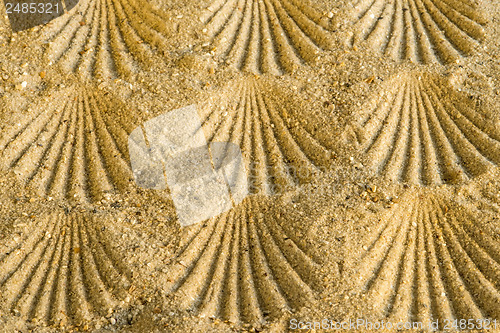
430 259
279 151
421 130
270 36
60 271
72 144
106 38
242 266
422 31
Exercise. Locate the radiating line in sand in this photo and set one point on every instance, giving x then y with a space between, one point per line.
107 38
243 266
423 131
424 31
60 271
269 36
261 119
71 144
431 259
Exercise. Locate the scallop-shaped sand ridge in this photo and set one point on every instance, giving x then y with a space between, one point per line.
243 266
431 259
61 271
71 144
258 116
270 36
425 31
421 130
106 38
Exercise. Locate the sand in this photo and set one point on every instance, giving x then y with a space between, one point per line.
370 131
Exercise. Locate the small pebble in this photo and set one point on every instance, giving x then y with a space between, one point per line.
21 85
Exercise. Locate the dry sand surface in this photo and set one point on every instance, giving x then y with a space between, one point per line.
370 130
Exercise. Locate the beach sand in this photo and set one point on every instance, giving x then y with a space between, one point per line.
371 130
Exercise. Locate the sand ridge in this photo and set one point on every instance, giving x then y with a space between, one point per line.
71 143
420 31
388 110
279 151
242 267
266 37
106 39
431 260
63 272
422 131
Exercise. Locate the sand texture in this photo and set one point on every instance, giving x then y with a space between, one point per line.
61 271
369 133
421 31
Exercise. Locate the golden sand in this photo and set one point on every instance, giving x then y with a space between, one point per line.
370 130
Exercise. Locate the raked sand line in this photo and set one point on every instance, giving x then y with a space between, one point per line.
71 144
431 259
243 266
61 271
421 130
107 38
262 120
270 36
424 31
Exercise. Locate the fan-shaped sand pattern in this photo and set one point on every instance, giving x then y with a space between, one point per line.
256 115
60 271
243 267
423 31
106 38
430 259
423 131
270 36
72 144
